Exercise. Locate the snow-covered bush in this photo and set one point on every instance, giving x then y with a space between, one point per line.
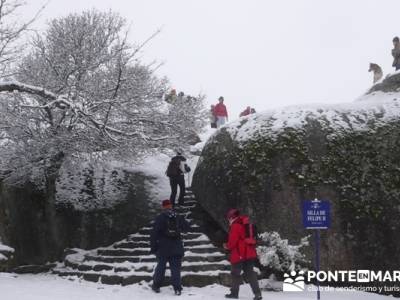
275 253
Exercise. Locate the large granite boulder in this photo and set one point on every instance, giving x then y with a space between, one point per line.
83 205
268 163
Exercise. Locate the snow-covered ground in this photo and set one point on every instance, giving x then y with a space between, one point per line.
43 287
155 166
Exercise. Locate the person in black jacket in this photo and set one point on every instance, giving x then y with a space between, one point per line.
176 173
166 243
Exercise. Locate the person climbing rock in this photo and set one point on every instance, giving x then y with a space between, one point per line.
221 112
166 243
246 112
176 170
396 53
242 256
171 97
181 96
213 117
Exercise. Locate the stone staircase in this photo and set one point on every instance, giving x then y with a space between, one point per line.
129 261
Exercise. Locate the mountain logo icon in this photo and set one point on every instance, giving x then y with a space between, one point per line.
293 282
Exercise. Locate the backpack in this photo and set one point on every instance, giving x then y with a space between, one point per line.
172 229
187 168
174 167
250 229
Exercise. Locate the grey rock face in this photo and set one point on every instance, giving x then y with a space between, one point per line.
349 157
390 84
39 224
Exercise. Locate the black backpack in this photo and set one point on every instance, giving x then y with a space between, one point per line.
187 168
172 228
174 167
251 234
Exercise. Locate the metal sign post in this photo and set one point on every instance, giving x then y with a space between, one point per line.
317 245
316 215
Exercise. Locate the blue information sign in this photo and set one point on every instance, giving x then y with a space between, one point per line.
316 214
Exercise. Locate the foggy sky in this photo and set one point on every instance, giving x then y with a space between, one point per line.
261 53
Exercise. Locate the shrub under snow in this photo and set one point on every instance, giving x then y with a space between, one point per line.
275 253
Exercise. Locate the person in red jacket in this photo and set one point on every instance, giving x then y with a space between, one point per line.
242 256
220 112
246 112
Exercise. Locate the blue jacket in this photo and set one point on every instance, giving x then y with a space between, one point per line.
165 246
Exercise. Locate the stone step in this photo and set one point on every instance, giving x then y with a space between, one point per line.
151 258
145 244
188 203
189 220
129 261
146 237
33 269
122 252
132 245
148 230
190 279
185 207
145 267
146 251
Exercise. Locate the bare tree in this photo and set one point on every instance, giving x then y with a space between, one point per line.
84 93
11 31
190 114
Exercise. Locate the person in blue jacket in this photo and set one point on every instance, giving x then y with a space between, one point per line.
166 243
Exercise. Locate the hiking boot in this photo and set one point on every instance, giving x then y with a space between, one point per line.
232 296
258 297
155 289
178 292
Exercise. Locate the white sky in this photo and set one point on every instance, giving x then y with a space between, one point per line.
261 53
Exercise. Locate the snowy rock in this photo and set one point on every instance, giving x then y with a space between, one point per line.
6 256
268 163
84 205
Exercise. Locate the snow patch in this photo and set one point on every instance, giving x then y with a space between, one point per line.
5 252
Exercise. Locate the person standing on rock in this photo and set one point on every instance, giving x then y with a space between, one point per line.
176 170
396 53
221 112
213 117
242 256
166 243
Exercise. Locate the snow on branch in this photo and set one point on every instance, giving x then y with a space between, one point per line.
79 91
62 102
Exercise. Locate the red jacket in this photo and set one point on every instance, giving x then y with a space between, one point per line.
240 251
220 110
246 112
